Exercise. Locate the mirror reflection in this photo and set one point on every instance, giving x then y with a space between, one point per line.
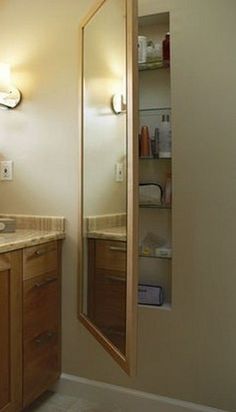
104 172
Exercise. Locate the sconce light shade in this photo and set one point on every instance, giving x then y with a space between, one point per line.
10 97
117 103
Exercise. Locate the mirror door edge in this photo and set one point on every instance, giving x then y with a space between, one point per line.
133 178
128 361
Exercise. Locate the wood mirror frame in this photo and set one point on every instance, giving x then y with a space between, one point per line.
127 361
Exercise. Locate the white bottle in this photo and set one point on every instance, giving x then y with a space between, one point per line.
142 49
165 137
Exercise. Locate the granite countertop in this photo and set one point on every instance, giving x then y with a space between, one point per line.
27 237
109 233
31 230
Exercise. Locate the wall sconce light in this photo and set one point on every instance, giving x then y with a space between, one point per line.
10 96
117 103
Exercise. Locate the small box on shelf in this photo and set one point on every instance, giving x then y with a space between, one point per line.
150 295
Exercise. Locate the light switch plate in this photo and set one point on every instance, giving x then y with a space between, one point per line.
6 170
119 172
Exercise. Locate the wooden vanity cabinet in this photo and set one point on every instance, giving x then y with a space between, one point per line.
41 318
107 288
10 331
30 323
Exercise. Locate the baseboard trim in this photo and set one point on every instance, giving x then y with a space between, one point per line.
129 400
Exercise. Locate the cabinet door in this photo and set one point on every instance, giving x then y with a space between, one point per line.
10 331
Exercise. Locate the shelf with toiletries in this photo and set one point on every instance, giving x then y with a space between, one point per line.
153 65
152 118
155 133
155 166
155 255
153 45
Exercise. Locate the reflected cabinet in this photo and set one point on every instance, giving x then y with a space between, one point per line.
125 173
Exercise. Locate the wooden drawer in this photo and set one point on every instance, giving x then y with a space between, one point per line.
40 305
110 255
5 262
109 300
41 364
110 306
107 288
40 259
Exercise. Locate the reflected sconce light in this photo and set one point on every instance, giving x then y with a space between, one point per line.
117 103
10 96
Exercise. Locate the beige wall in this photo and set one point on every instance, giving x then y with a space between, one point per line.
188 353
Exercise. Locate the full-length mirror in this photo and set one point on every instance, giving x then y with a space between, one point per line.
107 285
104 173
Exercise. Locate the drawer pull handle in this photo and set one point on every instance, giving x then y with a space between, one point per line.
115 278
44 338
118 249
45 282
40 252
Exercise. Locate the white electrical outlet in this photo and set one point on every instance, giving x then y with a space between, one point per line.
119 172
6 170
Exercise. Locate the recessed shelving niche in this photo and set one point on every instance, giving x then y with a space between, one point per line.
155 219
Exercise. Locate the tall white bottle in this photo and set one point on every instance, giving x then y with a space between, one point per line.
165 137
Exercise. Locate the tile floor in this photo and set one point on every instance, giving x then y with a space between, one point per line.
54 402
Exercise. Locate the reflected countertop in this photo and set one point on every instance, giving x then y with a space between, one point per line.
27 237
109 233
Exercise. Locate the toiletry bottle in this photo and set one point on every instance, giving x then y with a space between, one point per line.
165 137
168 190
166 50
152 146
142 49
150 51
145 142
156 143
158 51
